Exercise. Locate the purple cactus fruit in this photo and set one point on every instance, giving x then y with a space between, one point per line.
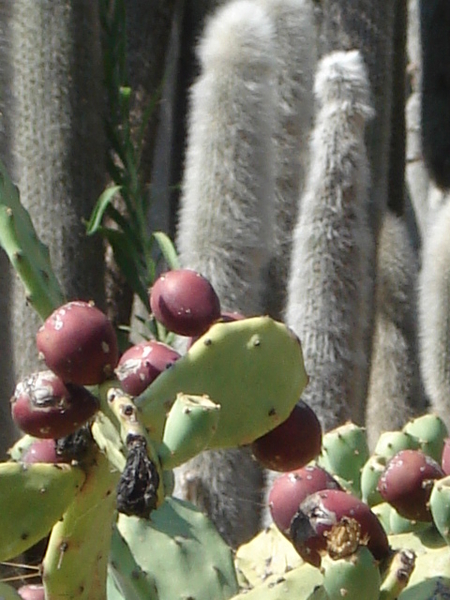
293 443
45 407
79 344
320 511
141 364
445 459
184 302
407 481
42 451
290 489
32 592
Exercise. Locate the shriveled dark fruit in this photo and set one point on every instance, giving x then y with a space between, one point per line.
45 407
293 443
445 459
290 489
78 343
320 511
42 451
32 592
141 364
407 481
184 302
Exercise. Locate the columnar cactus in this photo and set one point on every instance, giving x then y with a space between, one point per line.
330 276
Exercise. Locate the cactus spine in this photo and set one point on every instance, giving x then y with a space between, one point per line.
329 269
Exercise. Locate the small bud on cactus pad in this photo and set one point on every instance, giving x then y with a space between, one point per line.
141 364
184 302
45 407
407 482
79 344
290 489
320 511
32 592
293 443
42 451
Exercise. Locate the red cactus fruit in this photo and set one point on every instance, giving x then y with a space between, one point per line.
79 344
45 407
407 481
293 443
141 364
445 459
42 451
290 489
320 511
184 302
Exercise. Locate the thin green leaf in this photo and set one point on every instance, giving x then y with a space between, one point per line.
100 209
167 249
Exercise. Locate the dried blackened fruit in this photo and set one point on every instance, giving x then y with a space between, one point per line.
139 482
293 443
79 344
45 407
407 481
75 446
184 302
141 364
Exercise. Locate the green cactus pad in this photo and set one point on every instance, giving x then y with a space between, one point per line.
430 579
75 563
28 255
430 432
8 593
179 551
190 425
32 499
344 453
355 577
391 442
253 368
440 507
370 475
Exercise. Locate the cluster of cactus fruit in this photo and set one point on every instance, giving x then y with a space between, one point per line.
103 433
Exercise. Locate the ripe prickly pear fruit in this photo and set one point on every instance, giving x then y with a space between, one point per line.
79 344
42 451
293 443
440 507
141 364
349 569
290 489
344 453
445 459
320 511
407 482
32 592
391 442
45 407
430 432
185 302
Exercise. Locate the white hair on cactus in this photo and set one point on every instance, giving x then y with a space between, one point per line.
225 228
330 272
434 312
395 394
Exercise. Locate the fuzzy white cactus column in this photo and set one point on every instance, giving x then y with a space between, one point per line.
434 311
330 281
395 390
296 59
225 228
